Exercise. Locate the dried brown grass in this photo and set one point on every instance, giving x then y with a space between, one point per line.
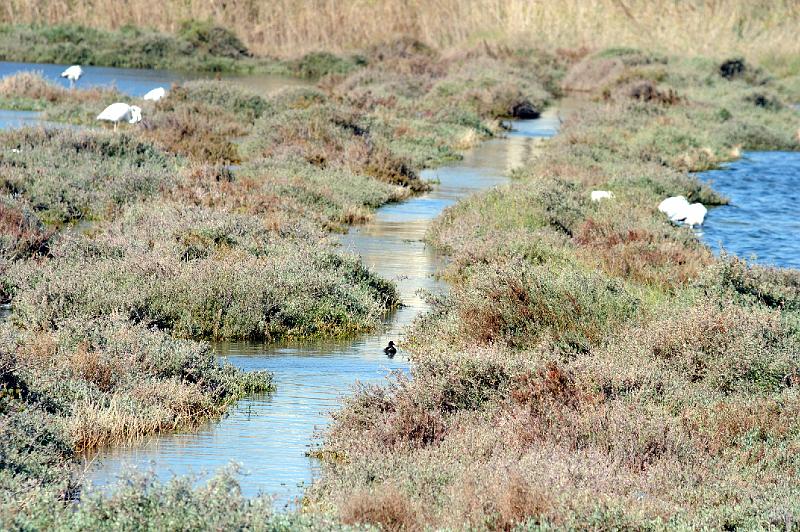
385 506
290 27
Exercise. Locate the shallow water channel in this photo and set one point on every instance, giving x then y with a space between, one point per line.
131 81
763 218
268 436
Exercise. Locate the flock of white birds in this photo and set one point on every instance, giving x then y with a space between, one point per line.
677 208
119 111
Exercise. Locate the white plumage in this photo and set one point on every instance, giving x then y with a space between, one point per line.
694 214
155 94
673 207
679 210
73 74
117 112
598 195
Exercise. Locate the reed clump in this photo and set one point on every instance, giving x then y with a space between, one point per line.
760 30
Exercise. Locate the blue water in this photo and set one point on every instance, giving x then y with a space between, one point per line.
17 119
763 218
268 436
137 82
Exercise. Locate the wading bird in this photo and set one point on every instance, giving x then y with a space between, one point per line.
73 74
117 112
155 94
674 207
598 195
390 349
694 214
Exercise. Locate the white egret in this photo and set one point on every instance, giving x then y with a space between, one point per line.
694 214
156 94
598 195
73 74
117 112
674 207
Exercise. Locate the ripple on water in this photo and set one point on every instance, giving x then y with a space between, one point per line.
763 218
269 435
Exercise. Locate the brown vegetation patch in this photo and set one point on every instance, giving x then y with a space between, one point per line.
641 255
646 91
592 74
517 500
21 234
195 130
383 505
89 365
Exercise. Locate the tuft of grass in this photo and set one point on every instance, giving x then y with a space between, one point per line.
203 274
65 176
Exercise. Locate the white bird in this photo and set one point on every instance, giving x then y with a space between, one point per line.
598 195
117 112
694 214
674 207
73 74
155 94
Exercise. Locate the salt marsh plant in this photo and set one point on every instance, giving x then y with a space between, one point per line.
66 176
200 274
594 366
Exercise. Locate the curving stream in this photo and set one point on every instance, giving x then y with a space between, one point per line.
268 436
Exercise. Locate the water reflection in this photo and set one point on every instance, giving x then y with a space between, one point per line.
269 435
763 219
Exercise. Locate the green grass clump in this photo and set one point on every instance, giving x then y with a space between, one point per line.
517 305
176 504
197 46
64 175
201 274
335 197
315 65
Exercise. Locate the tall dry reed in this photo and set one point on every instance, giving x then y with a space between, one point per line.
756 28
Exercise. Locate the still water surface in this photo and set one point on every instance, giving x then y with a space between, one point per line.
268 436
763 218
137 82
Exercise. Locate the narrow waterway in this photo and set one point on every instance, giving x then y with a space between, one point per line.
763 218
268 436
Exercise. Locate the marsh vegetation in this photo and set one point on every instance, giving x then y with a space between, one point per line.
593 365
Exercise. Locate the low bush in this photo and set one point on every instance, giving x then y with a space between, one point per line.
200 273
65 176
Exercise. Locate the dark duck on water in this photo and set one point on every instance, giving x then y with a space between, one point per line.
390 349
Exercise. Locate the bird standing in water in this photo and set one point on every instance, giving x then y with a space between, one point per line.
73 74
390 349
